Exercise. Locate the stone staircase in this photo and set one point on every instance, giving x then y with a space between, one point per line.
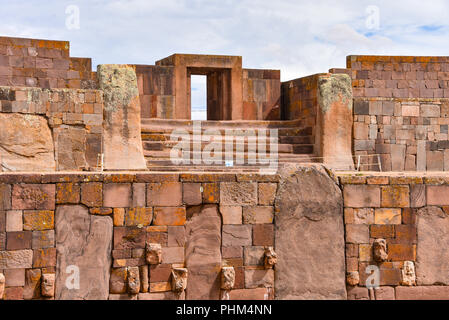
295 143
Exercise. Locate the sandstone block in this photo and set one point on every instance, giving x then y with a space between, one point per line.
144 279
15 277
176 236
129 237
139 195
418 196
118 280
18 259
14 220
138 217
249 294
259 278
169 216
67 193
254 256
238 193
384 293
437 195
32 288
43 239
164 194
361 196
211 192
256 215
192 194
387 216
5 196
38 220
395 197
267 193
92 194
48 285
263 235
236 235
422 293
18 240
357 233
117 195
173 255
43 258
231 214
33 197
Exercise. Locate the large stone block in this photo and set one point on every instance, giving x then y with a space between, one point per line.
165 194
84 241
237 235
122 143
32 149
309 235
70 145
433 240
437 195
361 196
18 259
33 196
238 193
117 195
203 253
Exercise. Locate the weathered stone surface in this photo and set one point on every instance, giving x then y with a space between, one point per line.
237 235
144 280
422 293
227 278
203 252
179 279
118 280
249 294
32 149
309 235
85 241
334 141
380 250
133 280
384 293
231 214
33 196
32 289
259 278
433 240
117 195
48 285
254 256
191 194
153 253
38 220
267 193
2 285
14 221
352 278
92 194
122 142
263 234
238 193
70 145
138 217
15 277
5 196
408 274
18 259
255 215
270 258
361 196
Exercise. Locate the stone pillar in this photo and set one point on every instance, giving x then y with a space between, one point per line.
333 137
122 142
309 235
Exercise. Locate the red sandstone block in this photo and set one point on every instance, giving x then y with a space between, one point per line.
357 233
401 252
15 277
167 194
358 293
18 240
33 196
129 237
211 192
249 294
160 272
92 194
44 258
437 195
169 216
67 193
192 193
139 195
172 254
381 231
13 293
422 293
117 195
395 196
384 293
157 237
263 235
360 196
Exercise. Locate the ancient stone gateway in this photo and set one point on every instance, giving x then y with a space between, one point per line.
309 235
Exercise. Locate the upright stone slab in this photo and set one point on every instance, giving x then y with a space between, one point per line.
122 142
309 235
83 241
26 143
432 266
203 253
333 137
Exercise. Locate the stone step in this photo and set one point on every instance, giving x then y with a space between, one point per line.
222 123
166 154
168 145
296 131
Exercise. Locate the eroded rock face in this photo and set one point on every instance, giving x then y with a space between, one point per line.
203 252
433 241
133 280
179 279
408 274
48 285
84 241
380 250
26 143
122 143
2 285
227 278
309 235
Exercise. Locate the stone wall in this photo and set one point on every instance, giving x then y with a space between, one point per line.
44 64
399 77
126 233
408 134
60 129
261 94
398 224
156 91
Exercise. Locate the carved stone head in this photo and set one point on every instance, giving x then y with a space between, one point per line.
380 250
179 279
270 258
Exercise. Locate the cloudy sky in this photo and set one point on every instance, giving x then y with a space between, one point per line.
299 37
